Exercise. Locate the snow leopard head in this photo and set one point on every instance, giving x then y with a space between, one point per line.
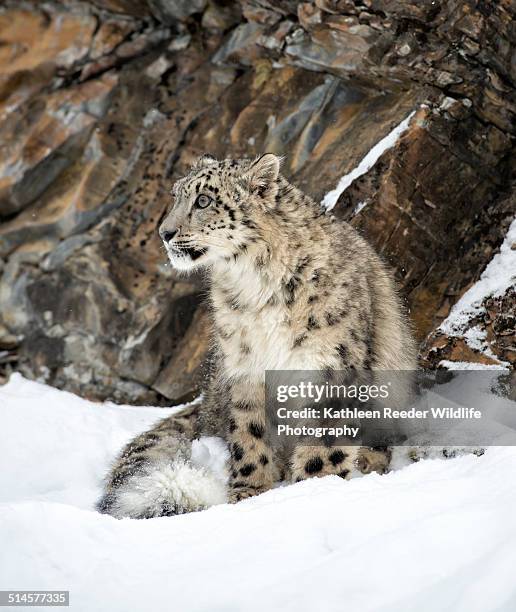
215 208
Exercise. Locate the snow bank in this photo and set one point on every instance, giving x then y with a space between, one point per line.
434 536
330 199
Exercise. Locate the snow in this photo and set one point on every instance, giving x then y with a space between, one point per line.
466 365
437 535
330 199
499 275
359 207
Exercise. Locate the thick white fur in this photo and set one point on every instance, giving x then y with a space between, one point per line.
180 485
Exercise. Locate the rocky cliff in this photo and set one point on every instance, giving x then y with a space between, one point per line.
397 115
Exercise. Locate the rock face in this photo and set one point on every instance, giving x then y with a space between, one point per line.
104 103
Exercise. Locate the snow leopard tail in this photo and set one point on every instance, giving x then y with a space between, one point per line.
154 476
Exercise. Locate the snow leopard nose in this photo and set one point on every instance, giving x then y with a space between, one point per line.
167 235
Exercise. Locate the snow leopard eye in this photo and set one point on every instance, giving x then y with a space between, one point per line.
203 201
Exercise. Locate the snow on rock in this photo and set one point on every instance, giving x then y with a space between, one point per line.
499 275
359 207
367 162
467 365
433 536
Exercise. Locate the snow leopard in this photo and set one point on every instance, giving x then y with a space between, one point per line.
290 288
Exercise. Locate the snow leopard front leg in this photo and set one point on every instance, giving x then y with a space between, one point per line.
253 468
309 461
154 476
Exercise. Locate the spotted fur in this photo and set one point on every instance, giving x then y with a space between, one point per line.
291 288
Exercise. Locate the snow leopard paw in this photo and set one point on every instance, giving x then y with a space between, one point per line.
373 460
237 494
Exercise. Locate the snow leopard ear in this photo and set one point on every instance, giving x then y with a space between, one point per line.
204 161
263 171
